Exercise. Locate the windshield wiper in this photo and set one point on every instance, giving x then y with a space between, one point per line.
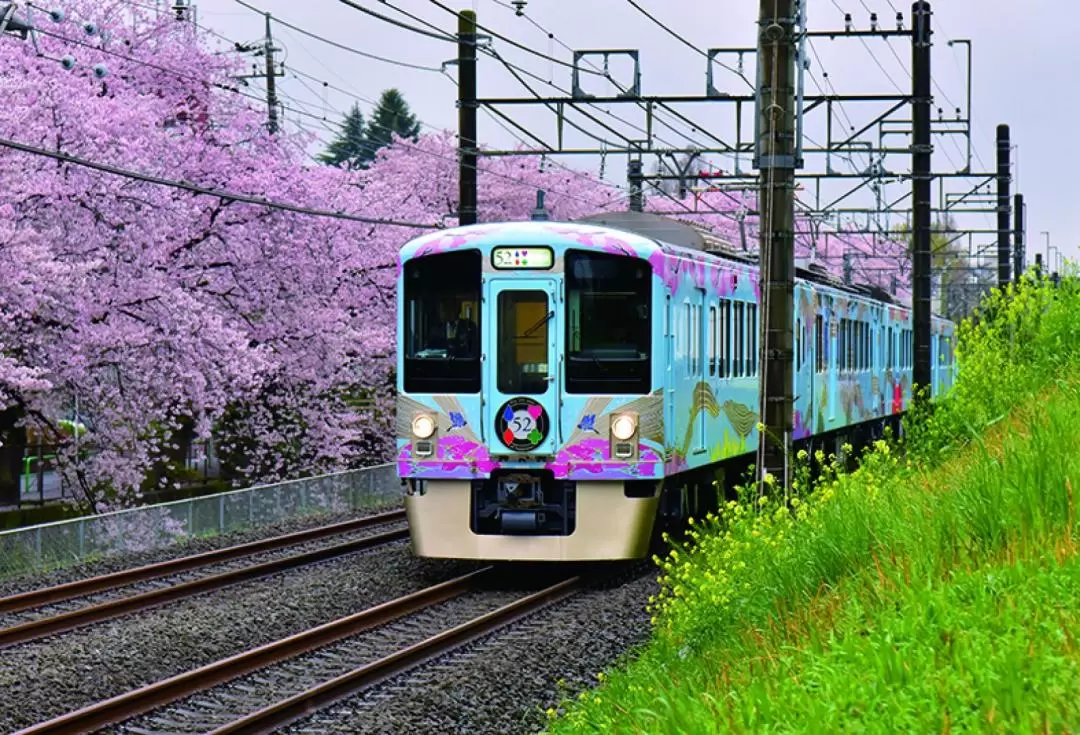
539 324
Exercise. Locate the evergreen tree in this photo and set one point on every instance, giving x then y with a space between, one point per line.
350 146
392 115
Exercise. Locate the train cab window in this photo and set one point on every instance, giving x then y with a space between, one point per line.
608 324
441 328
523 342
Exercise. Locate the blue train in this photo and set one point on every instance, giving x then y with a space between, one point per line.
564 385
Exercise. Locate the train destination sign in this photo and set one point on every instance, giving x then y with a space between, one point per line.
509 258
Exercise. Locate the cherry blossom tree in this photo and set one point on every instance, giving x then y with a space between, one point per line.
170 315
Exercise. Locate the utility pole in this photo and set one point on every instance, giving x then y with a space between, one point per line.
467 117
271 87
921 152
270 74
1018 236
1003 205
633 175
775 153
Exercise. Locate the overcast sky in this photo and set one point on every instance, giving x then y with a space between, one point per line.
1017 55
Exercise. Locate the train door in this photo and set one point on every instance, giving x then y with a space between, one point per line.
523 387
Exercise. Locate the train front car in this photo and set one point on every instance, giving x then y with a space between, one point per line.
529 400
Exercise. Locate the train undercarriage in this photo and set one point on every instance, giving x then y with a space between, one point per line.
529 515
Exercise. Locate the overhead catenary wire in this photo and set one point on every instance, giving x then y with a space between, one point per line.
442 36
501 37
682 40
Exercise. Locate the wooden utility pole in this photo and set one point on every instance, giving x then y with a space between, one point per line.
774 155
271 75
467 117
633 176
921 178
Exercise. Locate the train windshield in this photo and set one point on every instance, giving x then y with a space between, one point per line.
442 323
607 324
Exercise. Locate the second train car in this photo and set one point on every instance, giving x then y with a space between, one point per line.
562 385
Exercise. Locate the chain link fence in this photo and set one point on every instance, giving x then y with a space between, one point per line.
53 545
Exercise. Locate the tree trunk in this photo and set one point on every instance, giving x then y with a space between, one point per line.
11 454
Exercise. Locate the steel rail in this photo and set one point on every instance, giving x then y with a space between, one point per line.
106 582
277 716
43 627
139 701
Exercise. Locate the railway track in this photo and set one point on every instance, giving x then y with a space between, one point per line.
33 615
266 688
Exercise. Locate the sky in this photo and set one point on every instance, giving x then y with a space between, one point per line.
1015 55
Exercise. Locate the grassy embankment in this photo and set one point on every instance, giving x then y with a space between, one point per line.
927 591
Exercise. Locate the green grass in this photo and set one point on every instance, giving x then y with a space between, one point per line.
926 585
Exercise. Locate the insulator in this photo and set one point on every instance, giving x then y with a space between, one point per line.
873 21
847 22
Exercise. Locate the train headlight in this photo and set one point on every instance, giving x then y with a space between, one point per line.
623 427
423 426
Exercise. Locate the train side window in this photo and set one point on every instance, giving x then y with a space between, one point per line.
725 338
856 345
842 352
684 353
695 339
712 339
740 329
752 340
819 343
866 345
850 345
798 344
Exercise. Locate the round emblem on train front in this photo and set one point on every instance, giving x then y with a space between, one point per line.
522 424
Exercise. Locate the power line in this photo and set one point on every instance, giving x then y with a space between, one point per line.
338 45
655 20
195 189
438 36
510 41
511 66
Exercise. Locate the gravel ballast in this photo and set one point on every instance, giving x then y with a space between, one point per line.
505 683
127 560
47 678
173 580
223 704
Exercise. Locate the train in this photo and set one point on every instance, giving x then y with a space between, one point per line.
566 388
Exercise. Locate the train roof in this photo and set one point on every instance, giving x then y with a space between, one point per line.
650 231
684 235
